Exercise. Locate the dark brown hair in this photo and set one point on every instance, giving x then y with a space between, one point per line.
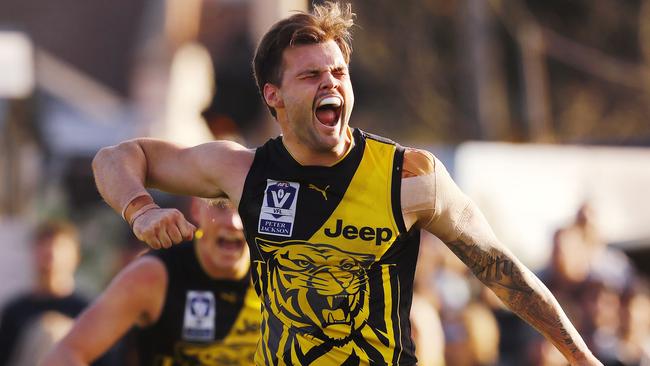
327 22
50 229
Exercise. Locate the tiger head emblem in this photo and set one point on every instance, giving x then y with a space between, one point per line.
317 288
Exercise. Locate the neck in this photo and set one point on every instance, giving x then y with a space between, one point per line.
306 155
237 272
57 286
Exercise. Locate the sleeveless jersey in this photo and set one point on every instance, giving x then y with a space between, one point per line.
204 321
331 258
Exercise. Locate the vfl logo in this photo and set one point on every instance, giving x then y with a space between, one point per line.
322 191
278 208
200 311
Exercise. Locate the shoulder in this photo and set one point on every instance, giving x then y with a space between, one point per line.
417 162
372 136
147 272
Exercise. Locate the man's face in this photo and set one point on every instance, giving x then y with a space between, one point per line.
223 240
56 256
315 99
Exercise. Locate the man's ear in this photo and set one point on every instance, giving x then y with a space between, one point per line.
272 96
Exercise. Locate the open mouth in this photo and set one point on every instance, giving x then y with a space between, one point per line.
328 110
230 243
339 309
335 309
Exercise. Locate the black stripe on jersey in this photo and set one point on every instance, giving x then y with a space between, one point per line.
382 139
374 356
353 360
265 350
286 353
376 318
274 339
316 352
402 282
396 189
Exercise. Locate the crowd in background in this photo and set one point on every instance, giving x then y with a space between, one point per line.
606 298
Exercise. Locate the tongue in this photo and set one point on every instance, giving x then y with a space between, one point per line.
326 116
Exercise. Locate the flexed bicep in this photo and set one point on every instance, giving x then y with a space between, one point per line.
206 170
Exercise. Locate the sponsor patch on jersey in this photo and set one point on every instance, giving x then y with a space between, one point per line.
278 208
200 311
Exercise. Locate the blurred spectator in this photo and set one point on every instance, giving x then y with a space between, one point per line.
606 263
634 346
472 337
602 307
426 332
543 353
567 273
56 256
470 331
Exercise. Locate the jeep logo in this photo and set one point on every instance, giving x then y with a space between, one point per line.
379 234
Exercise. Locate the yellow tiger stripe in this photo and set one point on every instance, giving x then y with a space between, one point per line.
283 341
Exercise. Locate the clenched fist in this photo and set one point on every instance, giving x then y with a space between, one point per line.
162 227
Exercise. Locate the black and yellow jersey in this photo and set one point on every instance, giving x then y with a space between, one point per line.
204 321
331 257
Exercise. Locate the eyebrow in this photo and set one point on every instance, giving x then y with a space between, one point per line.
312 71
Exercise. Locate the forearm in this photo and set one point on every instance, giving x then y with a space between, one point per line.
120 173
525 295
62 355
457 221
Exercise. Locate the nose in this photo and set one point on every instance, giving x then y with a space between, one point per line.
232 220
329 81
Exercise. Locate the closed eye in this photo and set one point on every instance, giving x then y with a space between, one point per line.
308 75
339 73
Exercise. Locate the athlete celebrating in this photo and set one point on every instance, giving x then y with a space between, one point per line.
331 214
194 303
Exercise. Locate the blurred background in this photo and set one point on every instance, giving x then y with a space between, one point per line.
540 110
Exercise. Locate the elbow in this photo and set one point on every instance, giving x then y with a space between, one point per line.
101 157
108 155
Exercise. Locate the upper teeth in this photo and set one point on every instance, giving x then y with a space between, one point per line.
336 102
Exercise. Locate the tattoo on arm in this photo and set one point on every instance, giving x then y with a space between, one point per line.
491 269
523 293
